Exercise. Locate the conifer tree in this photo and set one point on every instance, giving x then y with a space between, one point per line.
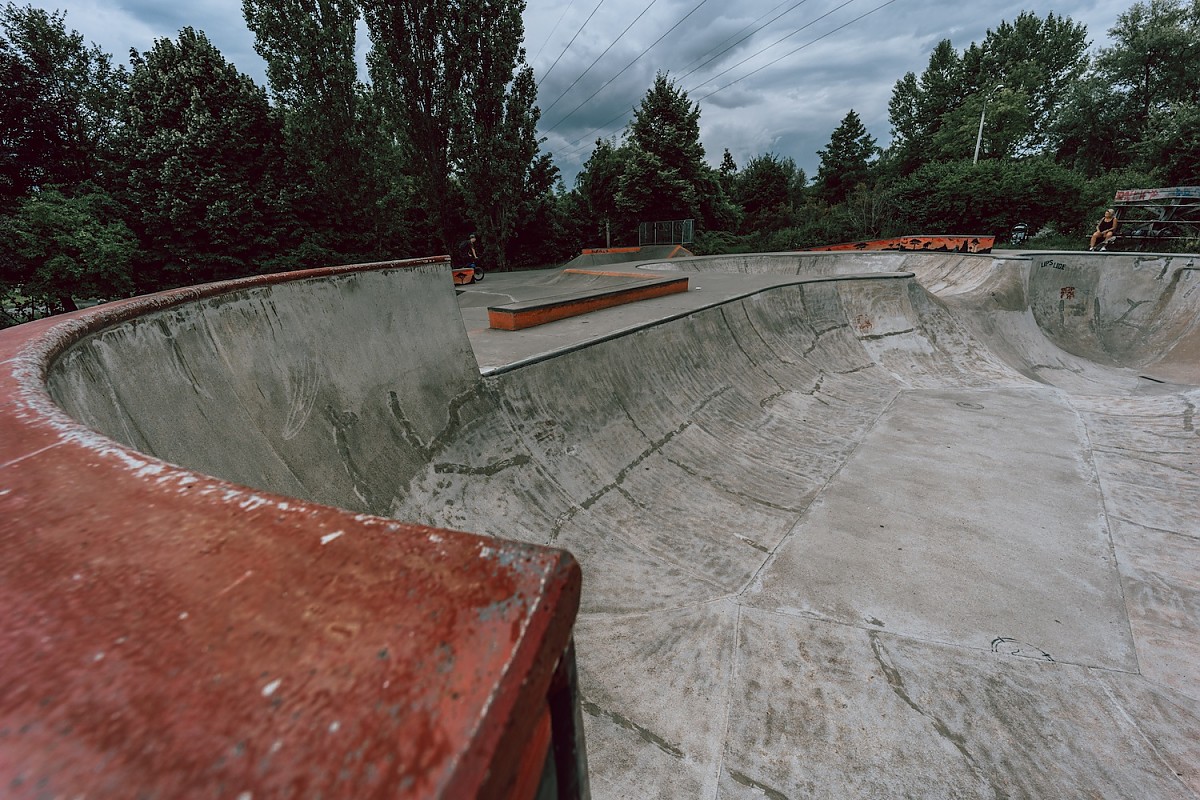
846 160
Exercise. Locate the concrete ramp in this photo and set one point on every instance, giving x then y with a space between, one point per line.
850 525
600 257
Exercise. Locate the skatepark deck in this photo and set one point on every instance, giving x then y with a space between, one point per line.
850 525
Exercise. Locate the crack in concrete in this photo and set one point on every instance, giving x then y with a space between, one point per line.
644 733
876 336
896 681
486 471
745 780
615 484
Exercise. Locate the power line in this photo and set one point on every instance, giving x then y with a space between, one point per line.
742 30
744 38
772 44
627 66
553 30
574 145
573 38
798 49
602 55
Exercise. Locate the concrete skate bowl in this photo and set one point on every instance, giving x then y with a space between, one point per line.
899 525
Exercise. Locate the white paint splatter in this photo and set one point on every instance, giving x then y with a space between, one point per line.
99 656
329 537
270 688
253 501
183 615
335 726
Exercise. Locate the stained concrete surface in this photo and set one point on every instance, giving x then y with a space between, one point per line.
870 525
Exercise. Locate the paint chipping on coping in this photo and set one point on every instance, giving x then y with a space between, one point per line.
254 502
329 537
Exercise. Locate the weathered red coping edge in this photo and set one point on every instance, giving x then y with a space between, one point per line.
529 313
927 243
164 633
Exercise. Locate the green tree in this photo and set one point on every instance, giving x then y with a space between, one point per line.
597 186
1006 119
846 160
1037 61
666 157
61 101
766 193
455 87
494 140
917 106
58 248
1021 74
206 173
727 171
309 47
666 176
1152 67
990 197
1173 146
1155 59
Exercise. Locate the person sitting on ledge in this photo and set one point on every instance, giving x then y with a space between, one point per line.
1106 230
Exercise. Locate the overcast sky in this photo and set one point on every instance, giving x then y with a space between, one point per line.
788 74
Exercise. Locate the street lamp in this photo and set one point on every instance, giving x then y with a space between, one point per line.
979 136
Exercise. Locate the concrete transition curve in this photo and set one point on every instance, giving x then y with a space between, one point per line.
850 525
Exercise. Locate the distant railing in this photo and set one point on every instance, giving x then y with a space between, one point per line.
677 231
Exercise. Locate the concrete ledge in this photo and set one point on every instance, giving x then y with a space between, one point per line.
529 313
164 633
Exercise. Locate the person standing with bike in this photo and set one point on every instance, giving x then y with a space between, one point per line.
469 257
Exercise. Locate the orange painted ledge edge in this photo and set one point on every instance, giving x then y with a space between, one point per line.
508 319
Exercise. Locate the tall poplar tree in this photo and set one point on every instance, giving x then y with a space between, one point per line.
309 47
494 141
454 82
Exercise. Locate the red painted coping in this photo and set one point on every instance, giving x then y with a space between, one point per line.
165 634
965 243
530 313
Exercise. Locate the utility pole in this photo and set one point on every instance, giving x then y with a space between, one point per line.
979 136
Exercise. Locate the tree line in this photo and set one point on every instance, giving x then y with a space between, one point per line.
178 169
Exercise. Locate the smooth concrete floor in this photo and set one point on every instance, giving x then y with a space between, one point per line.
904 542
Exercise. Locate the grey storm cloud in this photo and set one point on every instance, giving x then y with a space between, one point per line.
769 76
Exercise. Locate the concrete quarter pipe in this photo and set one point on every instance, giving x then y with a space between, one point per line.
870 525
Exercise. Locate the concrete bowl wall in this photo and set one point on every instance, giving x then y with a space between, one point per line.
166 633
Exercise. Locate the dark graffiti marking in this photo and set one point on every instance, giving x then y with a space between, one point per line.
1005 645
1066 293
1054 264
